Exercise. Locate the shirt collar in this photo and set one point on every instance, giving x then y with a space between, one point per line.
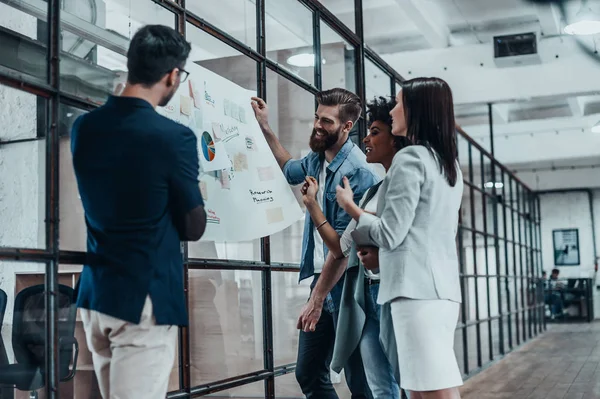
341 156
128 102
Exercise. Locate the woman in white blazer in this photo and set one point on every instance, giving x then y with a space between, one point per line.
415 229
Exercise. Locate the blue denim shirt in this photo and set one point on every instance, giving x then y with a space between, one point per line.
351 162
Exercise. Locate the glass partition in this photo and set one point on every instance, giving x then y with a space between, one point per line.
244 297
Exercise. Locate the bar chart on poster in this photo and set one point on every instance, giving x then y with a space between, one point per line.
245 192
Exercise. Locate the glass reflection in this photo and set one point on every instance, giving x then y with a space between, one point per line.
290 38
22 169
339 60
225 324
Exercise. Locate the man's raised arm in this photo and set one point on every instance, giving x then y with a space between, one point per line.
261 111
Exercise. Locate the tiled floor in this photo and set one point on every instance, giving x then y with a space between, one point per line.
562 363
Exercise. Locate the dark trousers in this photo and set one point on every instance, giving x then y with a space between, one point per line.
315 350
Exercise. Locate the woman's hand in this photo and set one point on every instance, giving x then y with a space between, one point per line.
369 256
344 195
309 191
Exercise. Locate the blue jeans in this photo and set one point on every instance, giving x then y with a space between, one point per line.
380 376
315 350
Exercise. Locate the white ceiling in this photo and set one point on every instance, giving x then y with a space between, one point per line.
542 113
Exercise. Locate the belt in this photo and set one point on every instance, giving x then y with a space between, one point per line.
371 281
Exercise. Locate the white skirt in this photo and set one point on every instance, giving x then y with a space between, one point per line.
424 331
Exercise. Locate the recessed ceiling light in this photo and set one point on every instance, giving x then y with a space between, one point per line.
586 22
583 28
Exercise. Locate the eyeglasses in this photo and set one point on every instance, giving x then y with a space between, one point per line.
183 75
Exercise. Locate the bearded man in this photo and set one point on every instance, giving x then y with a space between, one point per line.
333 157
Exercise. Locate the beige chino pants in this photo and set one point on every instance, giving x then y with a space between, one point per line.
131 361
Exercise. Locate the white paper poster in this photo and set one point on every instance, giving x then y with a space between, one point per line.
245 193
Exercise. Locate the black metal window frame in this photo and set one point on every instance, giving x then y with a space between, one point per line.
527 319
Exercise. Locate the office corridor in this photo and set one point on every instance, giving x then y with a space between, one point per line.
561 363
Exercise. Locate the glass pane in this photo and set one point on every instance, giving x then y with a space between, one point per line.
238 21
388 30
286 386
22 170
398 88
73 231
291 117
221 59
459 350
226 336
15 277
290 37
343 9
24 43
377 81
288 299
339 60
94 61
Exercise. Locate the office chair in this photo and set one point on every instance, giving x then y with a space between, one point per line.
29 340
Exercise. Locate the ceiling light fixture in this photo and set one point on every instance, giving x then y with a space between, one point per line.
596 128
586 23
303 60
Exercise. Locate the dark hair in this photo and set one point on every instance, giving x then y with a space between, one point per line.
155 50
429 113
349 103
379 110
555 271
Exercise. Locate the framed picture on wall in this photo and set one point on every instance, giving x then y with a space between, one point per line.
566 247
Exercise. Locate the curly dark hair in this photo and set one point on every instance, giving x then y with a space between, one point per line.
379 110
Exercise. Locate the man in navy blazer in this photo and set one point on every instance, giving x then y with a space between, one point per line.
137 174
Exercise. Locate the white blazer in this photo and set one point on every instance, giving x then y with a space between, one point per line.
415 229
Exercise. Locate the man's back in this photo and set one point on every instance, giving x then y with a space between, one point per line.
137 177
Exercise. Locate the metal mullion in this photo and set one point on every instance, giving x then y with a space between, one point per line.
316 25
539 228
497 257
507 270
514 253
524 332
487 266
265 242
359 70
229 383
528 261
185 355
474 242
52 377
464 288
533 274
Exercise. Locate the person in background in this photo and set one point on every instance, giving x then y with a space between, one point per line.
555 295
332 158
415 230
358 321
137 174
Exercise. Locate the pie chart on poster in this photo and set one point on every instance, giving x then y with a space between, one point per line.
208 146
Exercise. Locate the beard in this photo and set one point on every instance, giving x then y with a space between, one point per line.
325 142
165 100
